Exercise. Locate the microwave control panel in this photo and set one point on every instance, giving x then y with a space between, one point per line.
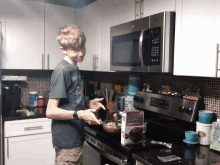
155 36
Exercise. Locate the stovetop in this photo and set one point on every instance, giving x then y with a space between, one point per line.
154 135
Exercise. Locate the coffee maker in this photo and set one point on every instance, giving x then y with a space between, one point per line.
11 99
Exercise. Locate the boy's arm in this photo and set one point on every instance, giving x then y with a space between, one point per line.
53 112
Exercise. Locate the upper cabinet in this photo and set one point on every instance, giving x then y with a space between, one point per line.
90 26
126 10
196 38
108 17
22 41
29 30
55 17
151 7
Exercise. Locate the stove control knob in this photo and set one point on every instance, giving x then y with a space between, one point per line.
138 99
189 111
135 98
181 109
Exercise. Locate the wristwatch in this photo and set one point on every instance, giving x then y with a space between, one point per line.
75 116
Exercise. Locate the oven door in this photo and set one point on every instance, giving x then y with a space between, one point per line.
107 154
105 157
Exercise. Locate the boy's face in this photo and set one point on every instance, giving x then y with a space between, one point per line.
76 55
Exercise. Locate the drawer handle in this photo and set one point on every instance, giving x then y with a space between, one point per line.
33 128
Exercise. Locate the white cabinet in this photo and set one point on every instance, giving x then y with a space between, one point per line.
90 26
151 7
108 17
55 17
97 19
23 25
127 10
195 38
28 142
29 33
33 149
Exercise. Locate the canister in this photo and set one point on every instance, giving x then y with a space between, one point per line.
33 98
40 104
204 132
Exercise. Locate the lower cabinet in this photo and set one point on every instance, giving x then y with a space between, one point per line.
31 149
28 142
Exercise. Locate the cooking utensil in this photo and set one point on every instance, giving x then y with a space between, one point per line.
110 127
115 116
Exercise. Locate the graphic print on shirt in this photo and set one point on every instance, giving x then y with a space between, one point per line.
78 91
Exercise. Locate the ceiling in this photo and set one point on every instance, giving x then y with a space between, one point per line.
71 3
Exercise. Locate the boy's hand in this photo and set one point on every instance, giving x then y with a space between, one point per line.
95 104
89 117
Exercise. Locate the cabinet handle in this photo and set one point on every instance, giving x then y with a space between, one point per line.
33 128
217 60
141 11
1 33
48 58
96 58
136 14
42 61
7 148
93 62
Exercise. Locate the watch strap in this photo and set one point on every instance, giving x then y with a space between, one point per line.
75 116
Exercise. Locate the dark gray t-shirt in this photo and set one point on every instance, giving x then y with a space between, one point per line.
65 84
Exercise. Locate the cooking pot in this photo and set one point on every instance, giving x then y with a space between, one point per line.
111 128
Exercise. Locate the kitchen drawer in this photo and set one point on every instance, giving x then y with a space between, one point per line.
27 127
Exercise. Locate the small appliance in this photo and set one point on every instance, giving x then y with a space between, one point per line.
144 45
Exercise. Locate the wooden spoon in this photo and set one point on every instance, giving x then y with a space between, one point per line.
115 116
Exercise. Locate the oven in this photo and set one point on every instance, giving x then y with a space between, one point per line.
163 131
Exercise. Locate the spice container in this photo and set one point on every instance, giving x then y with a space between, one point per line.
33 98
40 105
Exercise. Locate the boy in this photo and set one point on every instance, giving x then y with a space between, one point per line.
66 104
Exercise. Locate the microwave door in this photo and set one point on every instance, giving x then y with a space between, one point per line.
145 47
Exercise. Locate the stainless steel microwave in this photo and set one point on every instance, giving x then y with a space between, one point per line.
144 45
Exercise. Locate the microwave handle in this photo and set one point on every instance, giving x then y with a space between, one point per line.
141 45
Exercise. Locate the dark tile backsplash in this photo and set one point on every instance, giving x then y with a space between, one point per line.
39 84
210 87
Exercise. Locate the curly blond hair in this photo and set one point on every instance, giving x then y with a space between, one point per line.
71 36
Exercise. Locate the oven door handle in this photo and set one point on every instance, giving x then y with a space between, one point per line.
107 155
141 46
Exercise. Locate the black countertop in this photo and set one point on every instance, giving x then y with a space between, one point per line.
189 154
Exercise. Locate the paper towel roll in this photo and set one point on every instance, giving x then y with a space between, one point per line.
204 132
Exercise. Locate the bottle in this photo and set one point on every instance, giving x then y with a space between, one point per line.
33 98
40 105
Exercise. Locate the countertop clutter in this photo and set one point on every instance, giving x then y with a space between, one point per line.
188 154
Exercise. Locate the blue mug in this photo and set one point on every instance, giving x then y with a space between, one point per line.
206 117
191 136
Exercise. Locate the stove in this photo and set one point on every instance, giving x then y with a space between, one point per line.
168 118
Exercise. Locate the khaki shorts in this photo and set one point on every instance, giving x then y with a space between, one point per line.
68 156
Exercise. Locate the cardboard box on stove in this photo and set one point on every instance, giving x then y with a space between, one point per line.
132 127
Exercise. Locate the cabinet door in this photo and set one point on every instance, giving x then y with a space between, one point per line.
26 150
127 10
218 39
90 26
55 17
108 17
195 38
153 7
24 34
